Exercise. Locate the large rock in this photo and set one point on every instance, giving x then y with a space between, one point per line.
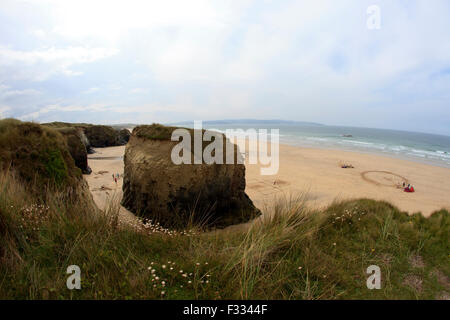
123 137
78 144
101 136
96 136
156 188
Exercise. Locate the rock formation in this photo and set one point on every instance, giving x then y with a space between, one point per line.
77 144
124 137
101 136
96 136
174 195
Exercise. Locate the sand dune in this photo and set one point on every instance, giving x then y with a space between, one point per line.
315 173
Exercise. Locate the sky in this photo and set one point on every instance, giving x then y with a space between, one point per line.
165 61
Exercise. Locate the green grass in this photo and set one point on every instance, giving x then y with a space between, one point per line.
39 156
55 166
290 253
154 132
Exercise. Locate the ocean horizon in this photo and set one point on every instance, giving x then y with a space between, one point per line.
416 146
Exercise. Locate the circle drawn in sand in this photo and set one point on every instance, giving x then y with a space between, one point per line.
384 178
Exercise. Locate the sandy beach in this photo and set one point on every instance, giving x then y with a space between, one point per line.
106 192
314 173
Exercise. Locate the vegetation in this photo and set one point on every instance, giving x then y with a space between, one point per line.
55 166
290 253
154 132
98 136
57 124
39 156
78 146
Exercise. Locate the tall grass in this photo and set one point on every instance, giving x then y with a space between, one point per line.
288 253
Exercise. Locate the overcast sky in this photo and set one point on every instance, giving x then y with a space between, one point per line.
166 61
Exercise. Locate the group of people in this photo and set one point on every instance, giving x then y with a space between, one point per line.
115 177
408 188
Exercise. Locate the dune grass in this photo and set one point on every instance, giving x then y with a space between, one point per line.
38 154
289 253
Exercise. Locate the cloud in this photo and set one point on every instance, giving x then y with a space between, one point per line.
91 90
314 61
57 108
4 110
18 93
40 64
138 90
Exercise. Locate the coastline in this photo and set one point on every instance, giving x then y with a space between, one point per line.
414 146
313 173
398 156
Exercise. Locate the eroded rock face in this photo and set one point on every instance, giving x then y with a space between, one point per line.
123 137
158 189
76 142
95 136
101 136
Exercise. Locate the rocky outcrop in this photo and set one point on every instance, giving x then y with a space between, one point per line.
96 136
101 136
123 137
174 195
39 156
77 144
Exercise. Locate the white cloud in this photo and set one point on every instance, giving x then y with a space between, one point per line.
112 19
39 33
91 90
61 108
40 64
18 93
3 110
138 90
300 60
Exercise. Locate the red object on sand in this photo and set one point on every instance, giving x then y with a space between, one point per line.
410 189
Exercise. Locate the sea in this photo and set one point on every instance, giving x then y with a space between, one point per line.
420 147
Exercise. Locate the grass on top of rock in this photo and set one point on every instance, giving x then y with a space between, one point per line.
39 155
154 132
164 133
57 124
290 253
